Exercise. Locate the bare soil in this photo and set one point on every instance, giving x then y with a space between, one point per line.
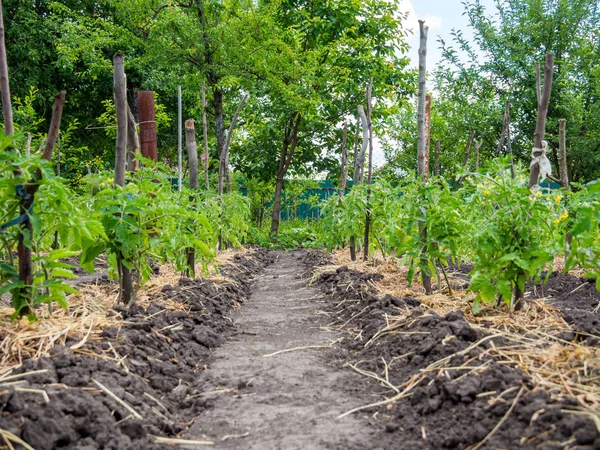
451 409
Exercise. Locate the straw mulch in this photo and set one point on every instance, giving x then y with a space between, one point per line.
86 316
530 343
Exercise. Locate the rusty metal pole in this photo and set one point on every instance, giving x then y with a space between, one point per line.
147 124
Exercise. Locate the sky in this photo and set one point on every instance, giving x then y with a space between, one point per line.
441 16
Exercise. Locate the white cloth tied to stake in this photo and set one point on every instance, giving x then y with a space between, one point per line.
541 160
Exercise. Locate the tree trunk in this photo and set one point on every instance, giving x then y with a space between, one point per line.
205 136
344 171
224 160
422 151
133 142
477 147
4 82
120 94
290 140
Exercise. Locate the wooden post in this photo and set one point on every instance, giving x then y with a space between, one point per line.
370 173
542 111
179 133
562 147
360 160
57 110
133 142
355 179
477 147
224 160
4 82
427 132
205 136
436 169
344 171
422 151
120 94
22 297
466 158
148 140
190 143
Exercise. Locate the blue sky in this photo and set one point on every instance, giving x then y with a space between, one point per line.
442 16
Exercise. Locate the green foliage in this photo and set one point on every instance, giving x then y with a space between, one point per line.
55 211
584 226
516 236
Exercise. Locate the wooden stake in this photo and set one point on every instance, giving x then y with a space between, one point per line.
224 162
133 142
147 114
562 147
120 94
466 159
4 82
205 136
542 111
190 143
436 169
427 132
179 133
370 172
344 172
422 156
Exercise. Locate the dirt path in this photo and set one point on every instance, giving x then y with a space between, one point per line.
288 400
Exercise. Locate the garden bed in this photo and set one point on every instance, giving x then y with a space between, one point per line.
94 377
448 379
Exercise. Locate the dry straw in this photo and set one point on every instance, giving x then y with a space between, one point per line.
86 316
529 339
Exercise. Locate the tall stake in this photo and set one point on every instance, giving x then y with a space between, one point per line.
224 162
422 151
4 83
205 136
355 179
190 143
436 169
427 131
179 133
542 111
344 171
120 93
562 148
370 173
133 142
466 159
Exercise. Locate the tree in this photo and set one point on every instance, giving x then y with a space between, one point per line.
501 62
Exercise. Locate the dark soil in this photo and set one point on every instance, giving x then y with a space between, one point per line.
450 409
153 363
578 300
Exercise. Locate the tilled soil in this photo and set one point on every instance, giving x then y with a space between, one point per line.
154 374
450 408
